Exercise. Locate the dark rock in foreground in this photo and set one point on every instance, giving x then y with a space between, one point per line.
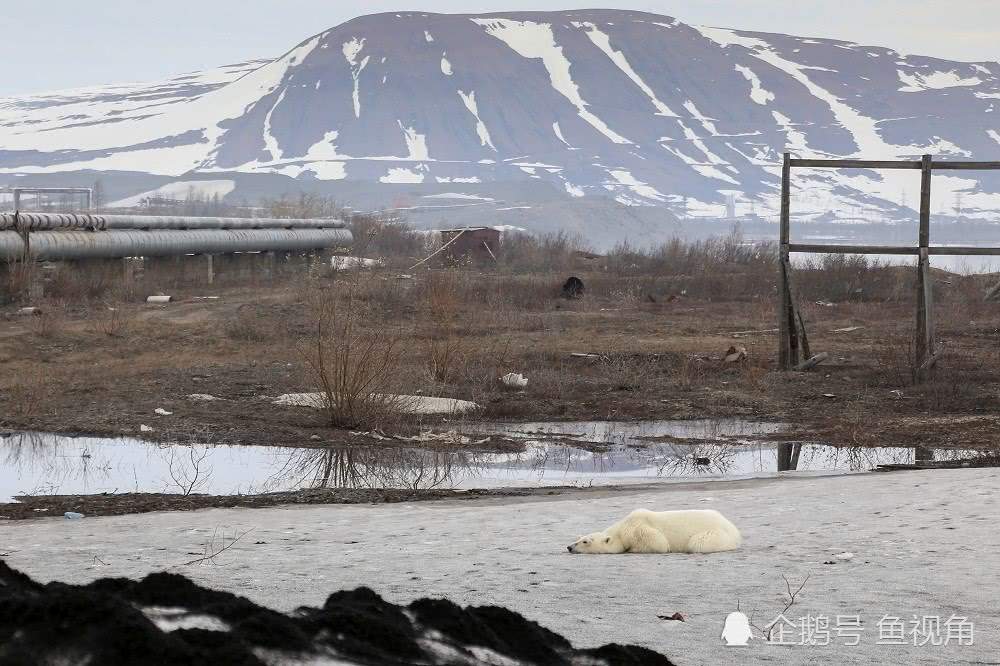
167 619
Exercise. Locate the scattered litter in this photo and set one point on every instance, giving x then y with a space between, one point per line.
351 263
849 329
896 393
741 334
145 428
599 357
449 437
315 438
404 276
206 298
202 397
512 380
29 311
735 354
158 299
825 304
407 404
677 617
829 395
162 412
73 515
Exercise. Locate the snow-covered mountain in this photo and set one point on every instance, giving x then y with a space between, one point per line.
506 113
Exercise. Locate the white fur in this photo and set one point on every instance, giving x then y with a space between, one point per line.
643 531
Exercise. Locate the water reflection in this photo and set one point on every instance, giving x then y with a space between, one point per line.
582 453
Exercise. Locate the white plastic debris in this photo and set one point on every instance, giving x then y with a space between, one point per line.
354 263
144 428
512 380
735 354
158 299
73 515
162 412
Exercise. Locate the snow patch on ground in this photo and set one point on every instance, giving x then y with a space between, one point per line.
409 404
536 40
573 190
446 66
428 36
469 99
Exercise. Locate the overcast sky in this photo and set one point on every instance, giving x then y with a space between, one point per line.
52 44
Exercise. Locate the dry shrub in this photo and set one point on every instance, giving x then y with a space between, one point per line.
26 392
631 372
353 362
16 280
441 308
112 320
84 280
896 358
687 372
52 319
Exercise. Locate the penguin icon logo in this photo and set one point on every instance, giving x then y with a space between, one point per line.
736 631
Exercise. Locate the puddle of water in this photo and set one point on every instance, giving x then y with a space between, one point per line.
580 453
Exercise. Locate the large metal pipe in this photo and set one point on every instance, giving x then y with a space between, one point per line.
55 245
51 221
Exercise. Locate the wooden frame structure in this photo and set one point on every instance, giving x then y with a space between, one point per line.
793 344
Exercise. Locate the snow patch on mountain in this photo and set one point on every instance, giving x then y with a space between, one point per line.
536 40
603 42
917 82
757 92
469 99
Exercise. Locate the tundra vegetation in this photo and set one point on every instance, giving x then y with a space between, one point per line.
646 340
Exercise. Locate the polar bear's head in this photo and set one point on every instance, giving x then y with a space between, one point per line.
597 543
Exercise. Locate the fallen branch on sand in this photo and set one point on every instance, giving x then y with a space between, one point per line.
211 552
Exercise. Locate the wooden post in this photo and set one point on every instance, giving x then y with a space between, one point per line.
784 296
925 320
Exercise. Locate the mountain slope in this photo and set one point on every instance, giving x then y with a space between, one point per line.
634 107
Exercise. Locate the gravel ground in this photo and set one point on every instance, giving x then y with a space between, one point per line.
925 544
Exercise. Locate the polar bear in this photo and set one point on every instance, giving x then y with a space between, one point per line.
643 531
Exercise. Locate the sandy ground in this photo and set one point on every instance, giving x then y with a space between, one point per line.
925 544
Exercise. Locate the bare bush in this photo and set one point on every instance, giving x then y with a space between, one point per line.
442 308
114 321
26 393
51 321
354 364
